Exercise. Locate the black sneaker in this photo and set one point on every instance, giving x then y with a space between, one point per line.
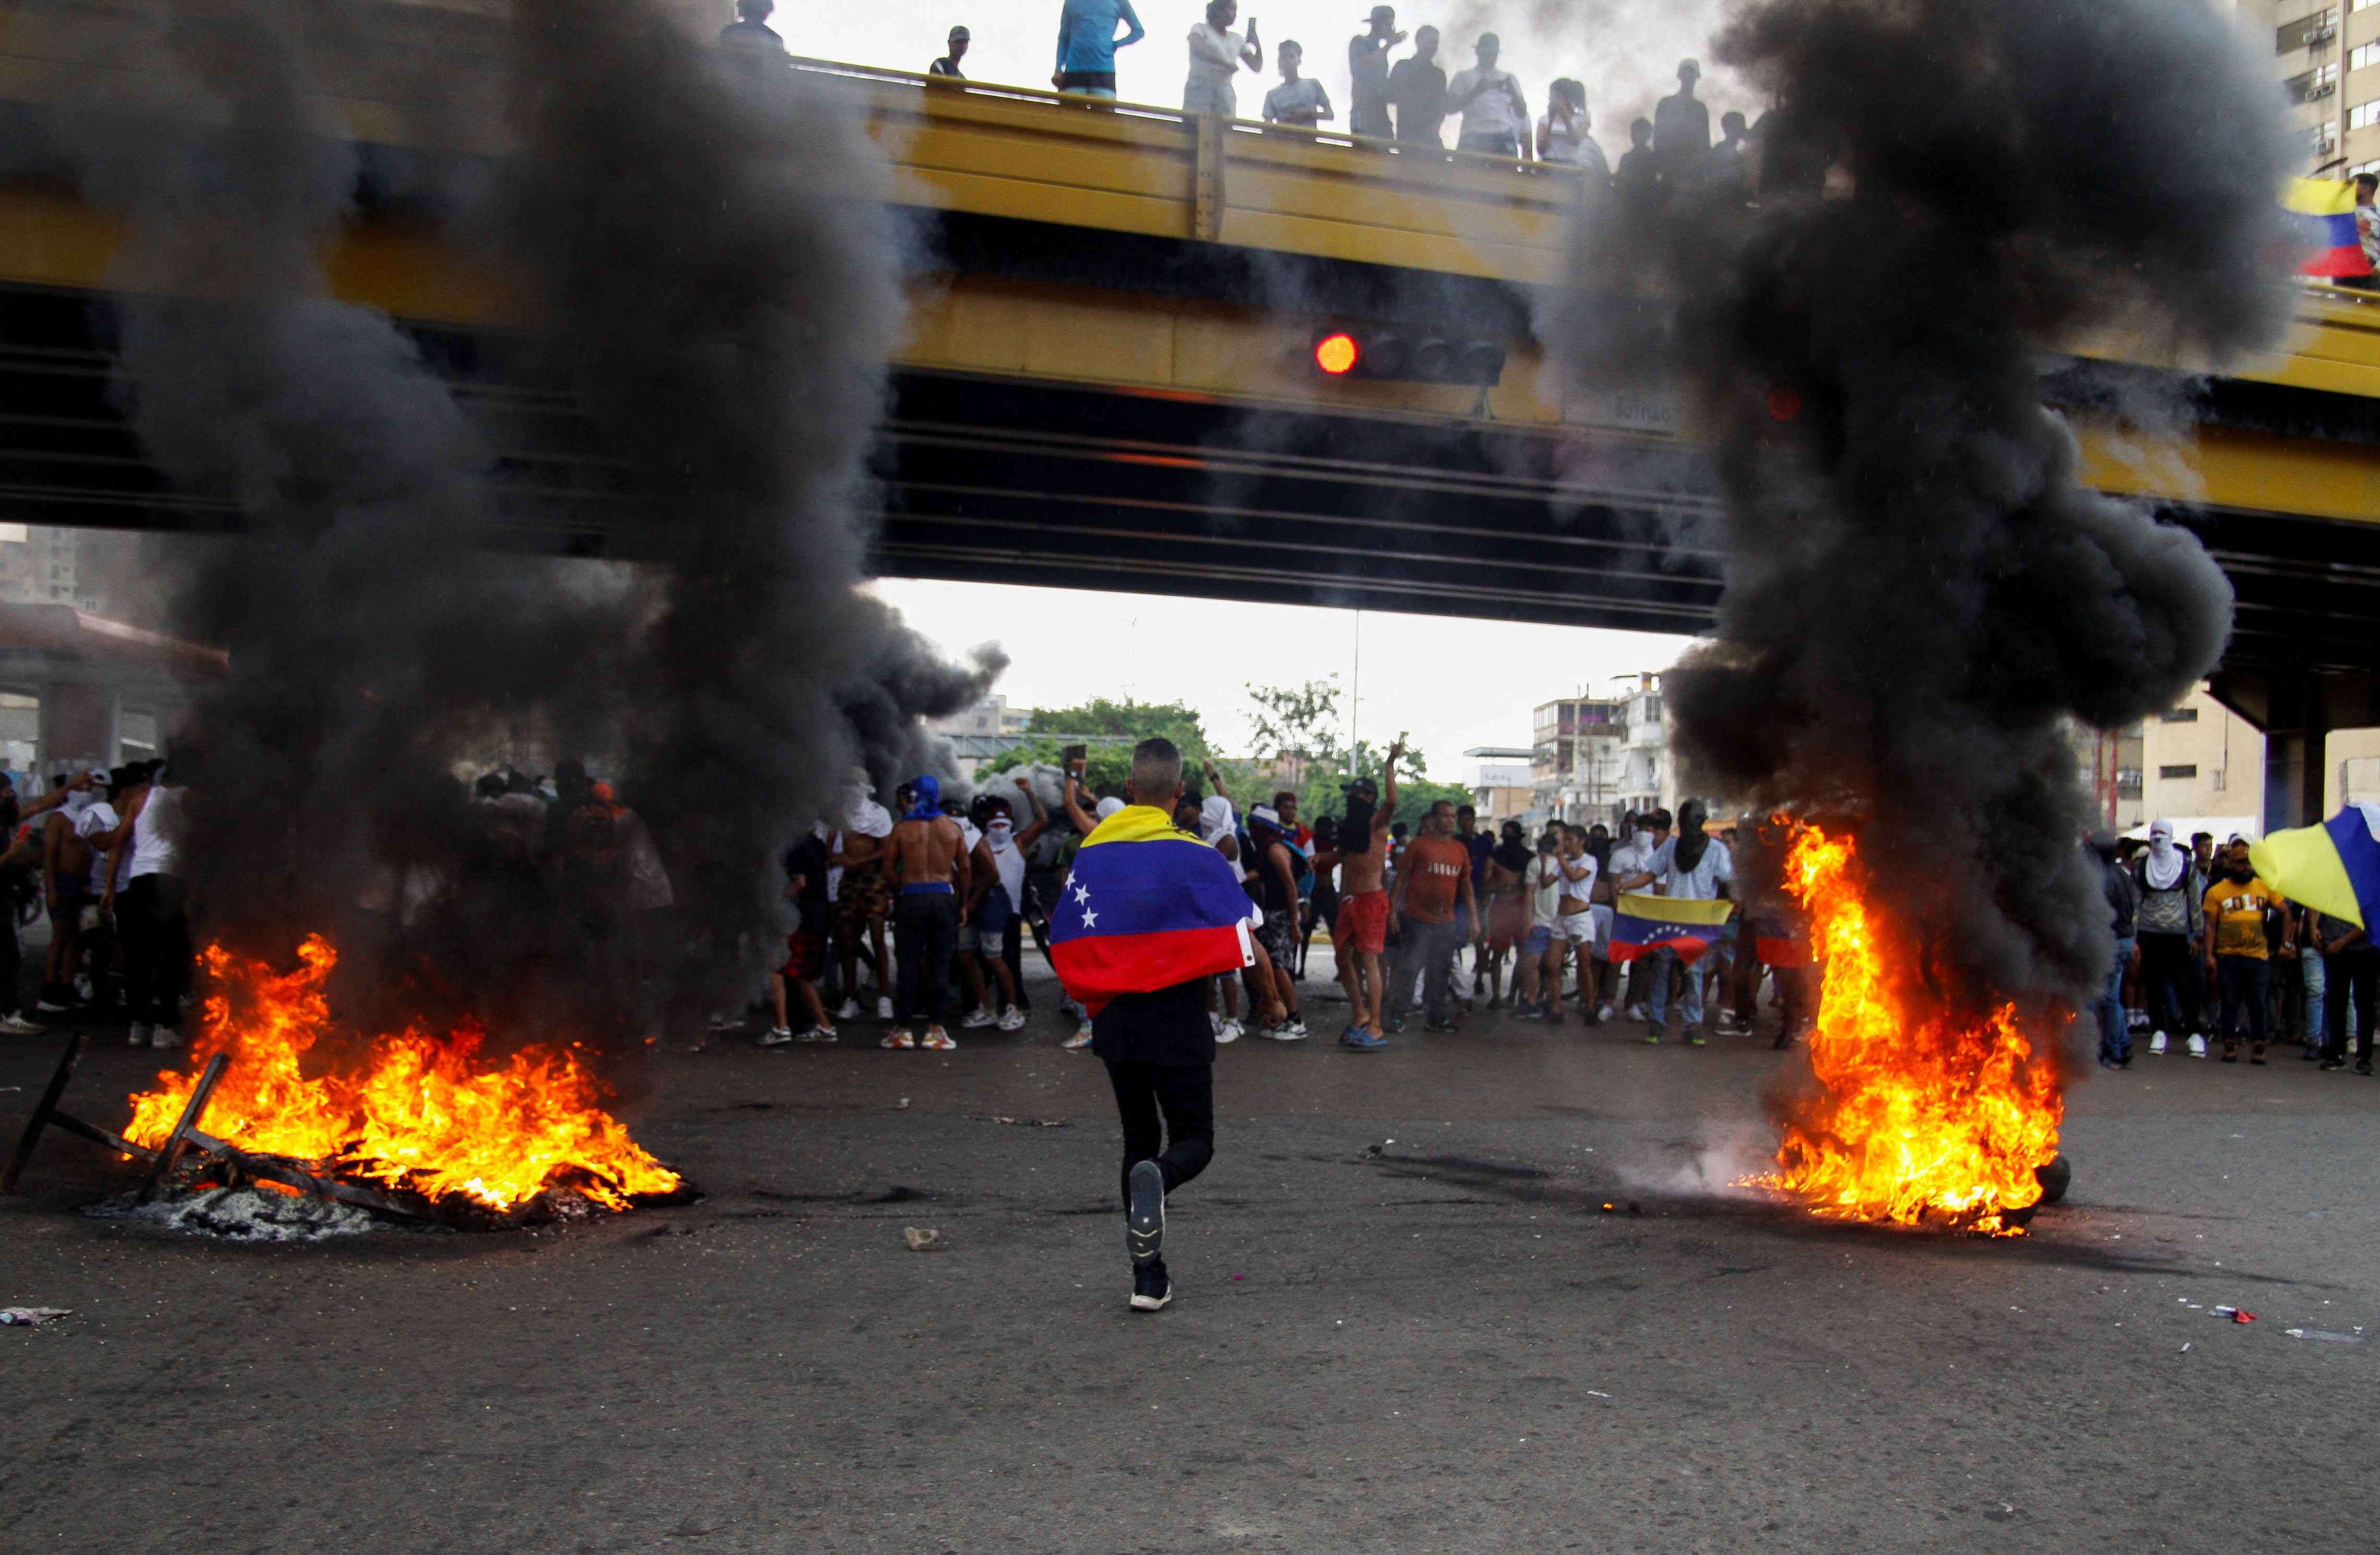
1437 1026
2330 1063
1150 1289
2364 1067
1144 1234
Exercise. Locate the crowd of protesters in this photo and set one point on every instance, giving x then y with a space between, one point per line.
1441 922
2207 952
1448 919
103 863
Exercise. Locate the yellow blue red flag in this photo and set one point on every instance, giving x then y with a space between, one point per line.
2326 210
2333 867
1643 923
1146 906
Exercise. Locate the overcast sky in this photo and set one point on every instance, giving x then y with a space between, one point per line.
1454 683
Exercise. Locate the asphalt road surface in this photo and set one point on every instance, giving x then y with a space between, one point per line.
1404 1322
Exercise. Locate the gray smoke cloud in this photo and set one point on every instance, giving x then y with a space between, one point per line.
1918 589
701 249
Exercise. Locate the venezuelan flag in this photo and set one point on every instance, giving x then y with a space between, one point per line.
1780 940
1645 923
1148 906
2326 211
2333 867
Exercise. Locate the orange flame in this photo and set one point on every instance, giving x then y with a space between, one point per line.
1927 1117
416 1114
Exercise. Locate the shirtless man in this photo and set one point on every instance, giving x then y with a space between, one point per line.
928 866
1362 931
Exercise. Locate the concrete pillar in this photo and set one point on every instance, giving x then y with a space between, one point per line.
2296 732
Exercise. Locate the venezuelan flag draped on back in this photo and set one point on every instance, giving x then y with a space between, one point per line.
1147 906
1643 923
2333 867
2325 210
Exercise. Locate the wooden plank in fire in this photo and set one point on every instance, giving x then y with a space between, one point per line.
289 1173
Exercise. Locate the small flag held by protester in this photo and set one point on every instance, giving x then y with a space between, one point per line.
1780 940
2326 210
1643 924
1146 906
2333 867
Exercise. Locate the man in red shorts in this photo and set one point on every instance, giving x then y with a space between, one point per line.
1362 931
805 946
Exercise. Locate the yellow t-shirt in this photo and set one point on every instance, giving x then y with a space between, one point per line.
2236 911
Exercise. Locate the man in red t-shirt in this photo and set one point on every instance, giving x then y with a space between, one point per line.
1433 879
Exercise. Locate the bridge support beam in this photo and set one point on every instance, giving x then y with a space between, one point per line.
2295 715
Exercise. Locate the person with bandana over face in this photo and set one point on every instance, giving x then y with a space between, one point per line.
2170 923
997 891
928 870
863 896
2239 955
1694 866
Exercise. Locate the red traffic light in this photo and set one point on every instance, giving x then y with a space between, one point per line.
1337 353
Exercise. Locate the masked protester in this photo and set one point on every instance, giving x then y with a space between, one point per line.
2239 953
2170 925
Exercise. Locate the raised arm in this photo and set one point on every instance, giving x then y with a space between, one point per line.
1084 820
1032 833
1215 779
1381 822
117 842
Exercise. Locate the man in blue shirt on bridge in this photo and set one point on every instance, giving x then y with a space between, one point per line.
1087 42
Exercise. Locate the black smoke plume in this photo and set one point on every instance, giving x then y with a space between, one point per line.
701 250
1919 590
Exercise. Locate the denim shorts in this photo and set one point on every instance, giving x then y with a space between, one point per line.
988 924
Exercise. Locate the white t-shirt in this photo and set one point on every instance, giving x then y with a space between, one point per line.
1545 890
1008 862
1497 110
1214 57
1577 887
1700 883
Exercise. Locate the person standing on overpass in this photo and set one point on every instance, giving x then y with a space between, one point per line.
949 64
1495 115
1368 70
1087 42
1216 54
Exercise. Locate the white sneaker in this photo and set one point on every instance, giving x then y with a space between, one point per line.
1012 1019
2197 1046
776 1035
850 1010
1233 1031
1080 1039
1289 1031
164 1036
1643 1013
2157 1044
976 1018
1215 1024
139 1036
1603 1012
818 1034
16 1025
883 1008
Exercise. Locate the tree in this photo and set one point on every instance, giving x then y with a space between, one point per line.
1112 729
1304 719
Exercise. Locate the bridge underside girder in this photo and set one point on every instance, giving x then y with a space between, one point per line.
1000 480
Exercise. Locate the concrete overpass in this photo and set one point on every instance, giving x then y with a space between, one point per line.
1110 383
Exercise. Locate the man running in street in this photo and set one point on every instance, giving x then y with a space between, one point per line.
1149 913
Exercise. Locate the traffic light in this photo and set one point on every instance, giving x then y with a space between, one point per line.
1407 356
